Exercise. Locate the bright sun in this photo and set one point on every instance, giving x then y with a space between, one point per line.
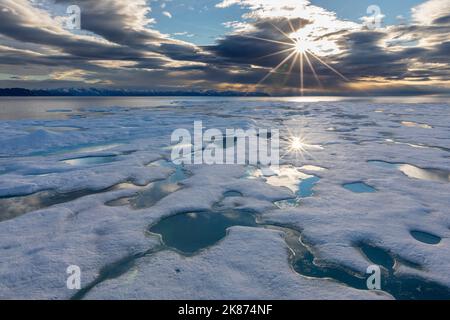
300 46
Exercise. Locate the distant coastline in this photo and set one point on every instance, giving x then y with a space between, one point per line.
93 92
97 92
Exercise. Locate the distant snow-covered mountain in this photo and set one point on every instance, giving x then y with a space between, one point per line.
120 92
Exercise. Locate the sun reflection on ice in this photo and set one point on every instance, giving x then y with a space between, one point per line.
299 147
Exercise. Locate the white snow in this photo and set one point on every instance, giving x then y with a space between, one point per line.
249 264
37 247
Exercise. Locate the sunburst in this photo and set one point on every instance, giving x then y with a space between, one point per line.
300 49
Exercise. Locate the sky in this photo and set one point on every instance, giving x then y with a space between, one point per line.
292 47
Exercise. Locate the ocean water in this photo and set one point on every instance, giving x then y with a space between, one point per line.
93 178
16 108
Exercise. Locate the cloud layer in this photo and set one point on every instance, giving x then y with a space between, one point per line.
120 47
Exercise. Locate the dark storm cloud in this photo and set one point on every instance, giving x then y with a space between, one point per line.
258 45
440 54
365 56
118 21
113 20
442 20
183 52
15 25
364 52
126 23
127 40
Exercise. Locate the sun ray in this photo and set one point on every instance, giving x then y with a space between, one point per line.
290 25
276 68
313 70
302 84
268 40
300 46
291 67
276 53
283 33
329 67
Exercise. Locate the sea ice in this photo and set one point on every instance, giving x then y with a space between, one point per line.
408 218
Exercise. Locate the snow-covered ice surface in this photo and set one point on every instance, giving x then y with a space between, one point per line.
69 188
238 268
